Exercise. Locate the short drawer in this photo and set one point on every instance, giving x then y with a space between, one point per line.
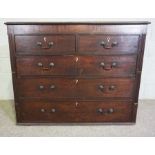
75 111
46 88
105 88
45 44
46 65
108 44
107 66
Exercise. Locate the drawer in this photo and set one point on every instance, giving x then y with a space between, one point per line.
46 88
46 65
71 111
45 44
102 88
107 66
108 44
71 88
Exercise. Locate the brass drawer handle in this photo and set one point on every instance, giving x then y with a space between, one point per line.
41 87
108 66
105 111
53 110
47 45
40 64
108 45
102 87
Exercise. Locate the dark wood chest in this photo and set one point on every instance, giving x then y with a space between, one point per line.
76 72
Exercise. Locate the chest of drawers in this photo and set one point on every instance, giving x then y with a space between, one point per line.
82 72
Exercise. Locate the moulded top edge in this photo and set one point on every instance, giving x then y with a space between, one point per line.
80 22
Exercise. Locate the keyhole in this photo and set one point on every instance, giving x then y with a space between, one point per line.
108 39
77 59
76 81
76 104
45 39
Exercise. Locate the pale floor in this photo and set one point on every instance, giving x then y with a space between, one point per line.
145 125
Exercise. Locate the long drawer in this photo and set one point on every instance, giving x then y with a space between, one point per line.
75 111
107 66
75 88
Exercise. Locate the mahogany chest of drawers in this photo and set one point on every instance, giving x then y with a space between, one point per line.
82 72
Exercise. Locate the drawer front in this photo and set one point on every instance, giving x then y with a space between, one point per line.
46 65
79 88
101 88
46 88
43 44
107 66
108 44
87 65
82 111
